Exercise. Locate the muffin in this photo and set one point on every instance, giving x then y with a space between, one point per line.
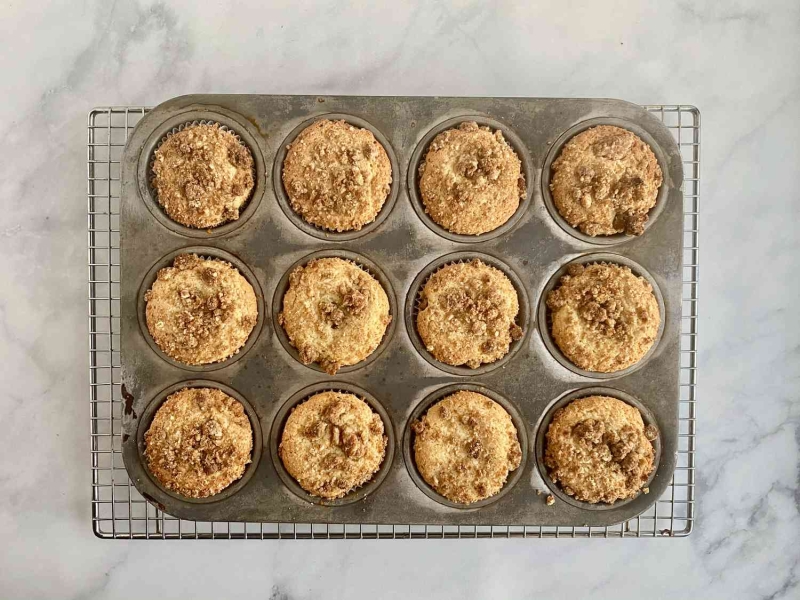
200 310
334 313
203 176
332 443
465 446
604 318
605 181
467 314
199 442
337 176
597 449
471 180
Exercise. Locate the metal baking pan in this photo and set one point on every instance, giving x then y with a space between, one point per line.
402 246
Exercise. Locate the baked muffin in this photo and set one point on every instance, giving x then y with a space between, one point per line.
467 314
604 318
332 443
334 313
203 176
605 181
337 176
597 449
199 442
471 180
200 310
465 445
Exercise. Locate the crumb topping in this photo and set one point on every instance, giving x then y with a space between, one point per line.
465 446
334 313
200 310
203 176
604 318
598 450
605 181
471 180
332 444
467 314
199 442
337 176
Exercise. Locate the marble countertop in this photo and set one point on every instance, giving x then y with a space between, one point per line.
738 61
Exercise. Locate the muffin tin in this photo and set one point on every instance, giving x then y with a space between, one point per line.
403 248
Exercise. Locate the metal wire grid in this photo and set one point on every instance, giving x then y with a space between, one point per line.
119 511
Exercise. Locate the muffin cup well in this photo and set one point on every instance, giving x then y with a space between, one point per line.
412 310
301 396
544 322
365 265
228 121
255 425
541 442
418 157
555 151
422 408
314 230
203 252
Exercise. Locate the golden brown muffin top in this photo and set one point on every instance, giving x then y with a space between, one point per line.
199 442
337 176
203 175
334 313
465 446
471 180
332 443
467 314
599 450
605 181
604 318
200 310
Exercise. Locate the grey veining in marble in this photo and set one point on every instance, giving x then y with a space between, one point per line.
739 61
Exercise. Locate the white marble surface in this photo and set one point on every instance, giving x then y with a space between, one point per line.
739 61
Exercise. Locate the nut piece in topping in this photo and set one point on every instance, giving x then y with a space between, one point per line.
203 176
605 181
332 443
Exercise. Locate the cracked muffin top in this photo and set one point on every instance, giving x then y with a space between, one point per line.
203 176
334 313
605 181
199 442
465 446
598 449
604 318
467 314
471 180
332 443
337 176
200 310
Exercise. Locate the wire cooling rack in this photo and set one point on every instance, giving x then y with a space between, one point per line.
119 511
